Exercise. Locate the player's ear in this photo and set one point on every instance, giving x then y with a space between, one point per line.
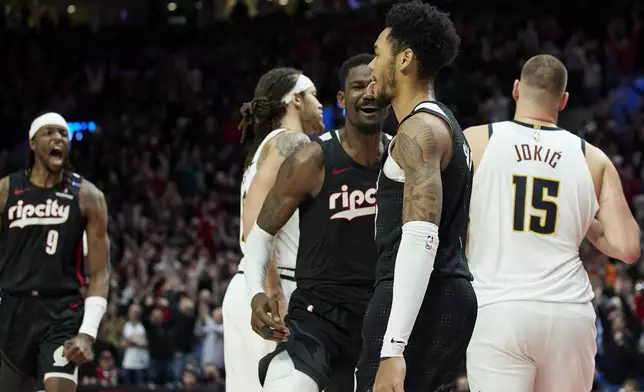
298 101
340 97
32 144
406 57
564 101
515 90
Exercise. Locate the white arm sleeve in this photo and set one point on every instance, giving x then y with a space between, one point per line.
258 248
414 266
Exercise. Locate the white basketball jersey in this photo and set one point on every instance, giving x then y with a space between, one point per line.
287 239
532 203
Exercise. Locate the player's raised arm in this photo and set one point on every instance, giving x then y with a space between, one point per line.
94 209
300 175
4 195
615 231
418 152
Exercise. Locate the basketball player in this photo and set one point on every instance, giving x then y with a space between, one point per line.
44 326
284 105
422 313
332 183
538 191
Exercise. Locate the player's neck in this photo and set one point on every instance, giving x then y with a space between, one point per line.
363 148
291 122
42 178
409 96
532 114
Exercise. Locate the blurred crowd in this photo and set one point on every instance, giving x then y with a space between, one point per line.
166 154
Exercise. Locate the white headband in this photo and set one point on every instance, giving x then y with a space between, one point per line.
303 83
51 119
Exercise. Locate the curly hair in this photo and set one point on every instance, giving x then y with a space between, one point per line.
266 110
427 31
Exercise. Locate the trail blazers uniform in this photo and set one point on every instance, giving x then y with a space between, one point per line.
334 272
437 345
41 273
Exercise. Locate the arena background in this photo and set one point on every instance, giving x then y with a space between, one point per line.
152 90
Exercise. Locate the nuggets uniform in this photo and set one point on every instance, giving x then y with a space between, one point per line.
243 348
533 200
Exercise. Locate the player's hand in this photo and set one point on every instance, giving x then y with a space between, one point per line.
266 320
391 375
79 349
278 295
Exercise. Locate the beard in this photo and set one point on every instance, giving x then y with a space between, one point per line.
386 93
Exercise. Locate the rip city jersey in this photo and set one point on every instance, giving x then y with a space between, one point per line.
337 254
41 244
287 238
457 186
532 203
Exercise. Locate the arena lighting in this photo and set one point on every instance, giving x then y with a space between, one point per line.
172 6
77 128
71 9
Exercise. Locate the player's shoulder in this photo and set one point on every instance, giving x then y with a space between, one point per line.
425 128
287 142
88 191
595 157
423 121
309 154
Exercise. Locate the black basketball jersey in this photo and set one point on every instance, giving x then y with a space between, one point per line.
41 244
336 258
457 187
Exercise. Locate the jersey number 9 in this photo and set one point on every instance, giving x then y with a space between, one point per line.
52 242
543 197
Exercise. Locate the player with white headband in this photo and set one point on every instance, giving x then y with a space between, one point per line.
283 111
47 329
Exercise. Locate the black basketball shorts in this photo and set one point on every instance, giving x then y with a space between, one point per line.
436 349
33 330
324 342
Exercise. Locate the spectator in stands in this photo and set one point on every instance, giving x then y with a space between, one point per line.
136 357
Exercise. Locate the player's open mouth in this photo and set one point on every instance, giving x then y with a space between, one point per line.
56 153
368 110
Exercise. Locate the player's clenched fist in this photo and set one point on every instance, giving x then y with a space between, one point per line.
266 320
79 349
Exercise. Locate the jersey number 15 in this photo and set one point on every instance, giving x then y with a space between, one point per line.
543 198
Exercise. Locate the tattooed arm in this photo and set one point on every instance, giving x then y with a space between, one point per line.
4 196
270 160
301 174
420 145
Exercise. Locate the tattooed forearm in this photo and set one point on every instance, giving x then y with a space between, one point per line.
416 150
289 142
298 176
4 196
